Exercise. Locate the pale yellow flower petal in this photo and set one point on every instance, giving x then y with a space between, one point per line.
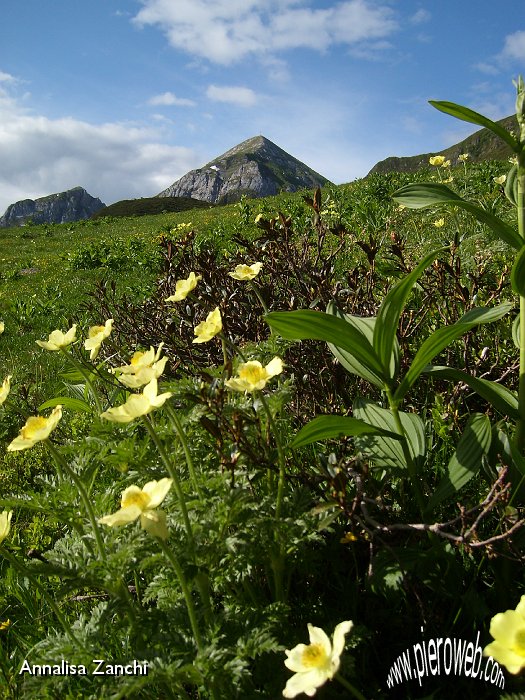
208 329
58 340
340 631
96 335
5 524
154 522
2 327
274 367
157 491
184 287
5 388
306 683
246 272
436 160
121 517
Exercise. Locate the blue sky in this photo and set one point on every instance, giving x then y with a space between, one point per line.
123 97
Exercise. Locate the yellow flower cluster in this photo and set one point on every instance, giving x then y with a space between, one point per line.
143 367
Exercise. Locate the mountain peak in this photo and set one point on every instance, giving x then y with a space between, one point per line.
71 205
256 167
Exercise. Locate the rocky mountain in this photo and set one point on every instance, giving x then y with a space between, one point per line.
256 167
482 145
72 205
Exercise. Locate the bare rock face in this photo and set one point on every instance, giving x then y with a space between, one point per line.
256 168
72 205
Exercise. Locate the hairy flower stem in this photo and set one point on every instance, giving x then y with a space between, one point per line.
351 689
201 579
520 427
25 571
77 365
66 469
412 471
179 430
174 476
278 560
170 556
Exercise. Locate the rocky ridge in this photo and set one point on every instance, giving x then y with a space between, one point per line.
71 205
256 167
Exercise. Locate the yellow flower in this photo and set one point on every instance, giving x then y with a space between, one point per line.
349 537
5 624
449 179
439 223
5 524
209 328
246 272
445 164
400 207
253 376
136 502
258 218
5 388
58 340
315 663
36 429
500 180
184 287
463 157
143 367
436 160
96 335
137 404
508 630
2 327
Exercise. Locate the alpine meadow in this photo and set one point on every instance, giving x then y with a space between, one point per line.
268 448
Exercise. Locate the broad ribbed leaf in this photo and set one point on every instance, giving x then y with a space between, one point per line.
469 115
387 452
349 362
77 405
441 338
325 427
517 276
466 461
391 309
316 325
497 395
429 194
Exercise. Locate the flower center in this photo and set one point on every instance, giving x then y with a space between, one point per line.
519 641
314 656
138 498
252 373
34 424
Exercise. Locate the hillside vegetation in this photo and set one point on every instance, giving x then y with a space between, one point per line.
223 473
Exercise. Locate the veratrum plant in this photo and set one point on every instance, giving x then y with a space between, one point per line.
369 348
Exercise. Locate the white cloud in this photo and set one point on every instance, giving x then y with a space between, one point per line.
40 156
6 78
420 17
226 31
167 99
241 96
514 46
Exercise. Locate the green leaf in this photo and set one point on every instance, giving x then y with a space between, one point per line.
516 331
77 405
497 395
466 461
441 338
517 276
468 115
325 427
511 186
391 309
428 194
384 451
316 325
347 359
